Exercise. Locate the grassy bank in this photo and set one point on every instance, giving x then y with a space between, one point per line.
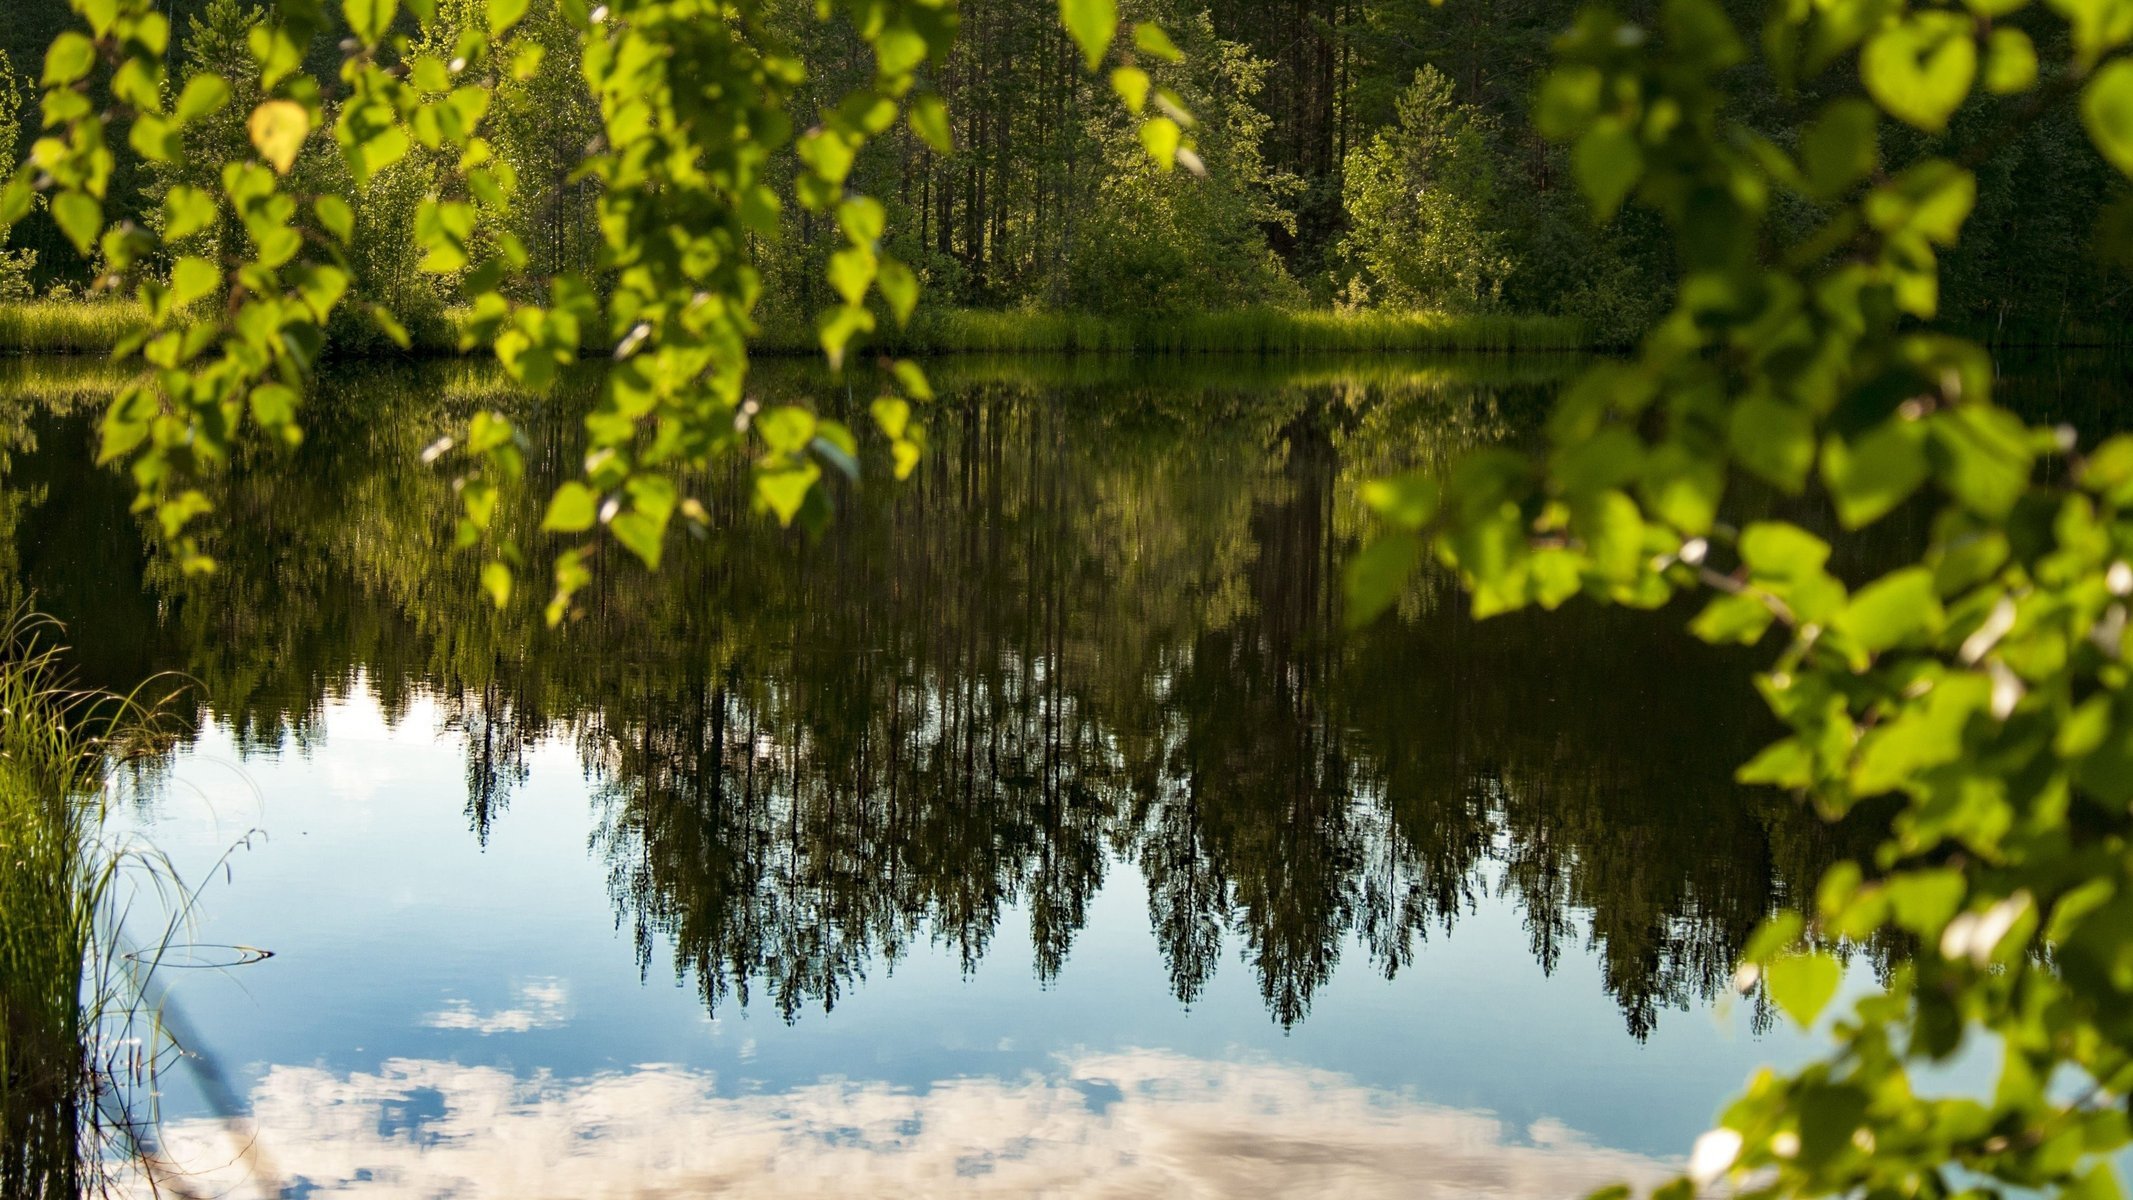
85 327
49 895
1264 332
79 1041
67 326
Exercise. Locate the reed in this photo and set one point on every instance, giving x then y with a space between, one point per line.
1261 332
72 1001
68 326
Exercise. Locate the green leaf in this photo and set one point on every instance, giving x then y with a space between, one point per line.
496 580
572 509
203 94
1093 23
643 533
191 279
1149 39
1781 551
898 50
274 406
786 429
1161 137
783 490
1982 456
1897 608
2010 61
1682 488
1920 69
80 217
929 120
1608 162
1773 439
336 217
892 415
2107 110
1373 578
1407 500
863 219
899 286
1841 147
186 211
912 379
851 273
369 19
70 57
1613 532
1132 85
1873 474
1741 617
1803 984
838 327
503 14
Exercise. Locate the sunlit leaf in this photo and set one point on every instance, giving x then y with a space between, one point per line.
1092 23
278 129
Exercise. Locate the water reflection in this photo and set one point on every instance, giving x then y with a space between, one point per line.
1137 1123
1102 624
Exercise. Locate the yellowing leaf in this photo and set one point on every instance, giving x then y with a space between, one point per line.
278 129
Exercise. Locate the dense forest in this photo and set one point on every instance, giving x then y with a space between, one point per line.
1357 153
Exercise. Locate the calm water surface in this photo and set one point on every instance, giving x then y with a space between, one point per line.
1035 829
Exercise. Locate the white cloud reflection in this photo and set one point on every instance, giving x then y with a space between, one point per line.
541 1005
1140 1123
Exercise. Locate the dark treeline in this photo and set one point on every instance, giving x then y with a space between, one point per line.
1099 630
1359 152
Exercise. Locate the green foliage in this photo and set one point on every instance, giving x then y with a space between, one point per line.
1982 686
1153 240
1421 202
15 265
69 326
77 1041
694 102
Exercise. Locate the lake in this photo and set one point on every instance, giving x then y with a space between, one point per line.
1035 828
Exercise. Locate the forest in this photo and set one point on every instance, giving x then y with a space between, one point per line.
1358 155
1262 452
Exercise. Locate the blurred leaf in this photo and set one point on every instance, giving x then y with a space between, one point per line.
1919 69
1093 23
1803 984
1373 578
278 129
571 510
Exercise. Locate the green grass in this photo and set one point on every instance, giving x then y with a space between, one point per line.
67 326
94 327
1265 332
49 894
71 999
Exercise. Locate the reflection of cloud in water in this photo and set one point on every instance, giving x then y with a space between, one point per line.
1140 1123
541 1005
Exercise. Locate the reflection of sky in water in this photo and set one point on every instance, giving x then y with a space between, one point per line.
1176 1126
447 1019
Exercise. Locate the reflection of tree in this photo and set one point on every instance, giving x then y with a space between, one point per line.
1100 624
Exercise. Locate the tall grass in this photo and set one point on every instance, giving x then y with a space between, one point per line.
63 327
72 1001
68 326
1264 332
